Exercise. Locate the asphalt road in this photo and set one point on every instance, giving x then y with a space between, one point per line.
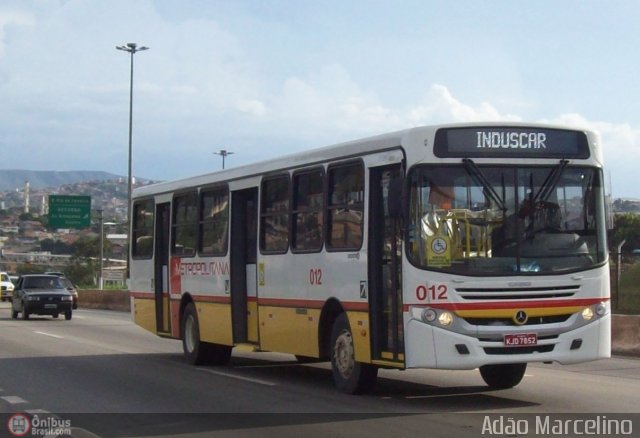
109 377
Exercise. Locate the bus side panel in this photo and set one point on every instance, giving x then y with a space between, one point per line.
215 323
289 330
252 320
359 323
144 312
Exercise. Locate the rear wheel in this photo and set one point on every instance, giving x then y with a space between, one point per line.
195 351
55 315
503 376
348 375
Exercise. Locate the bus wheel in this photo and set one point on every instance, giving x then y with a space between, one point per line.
196 351
503 376
191 345
348 375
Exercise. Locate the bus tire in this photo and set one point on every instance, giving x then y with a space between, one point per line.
191 345
195 351
349 376
503 376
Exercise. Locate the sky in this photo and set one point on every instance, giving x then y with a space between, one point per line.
263 78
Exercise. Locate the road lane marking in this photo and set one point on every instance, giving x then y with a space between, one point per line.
234 376
14 400
50 335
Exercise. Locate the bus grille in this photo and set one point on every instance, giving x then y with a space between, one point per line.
517 293
519 350
534 320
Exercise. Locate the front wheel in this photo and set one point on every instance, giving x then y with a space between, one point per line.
68 314
503 376
348 375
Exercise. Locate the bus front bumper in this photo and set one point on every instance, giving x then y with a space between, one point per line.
430 346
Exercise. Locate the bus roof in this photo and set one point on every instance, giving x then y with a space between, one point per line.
345 150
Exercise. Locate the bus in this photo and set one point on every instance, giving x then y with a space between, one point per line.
457 246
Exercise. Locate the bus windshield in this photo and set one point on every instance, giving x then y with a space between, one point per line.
496 220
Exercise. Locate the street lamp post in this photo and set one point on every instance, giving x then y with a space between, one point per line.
223 153
132 48
101 217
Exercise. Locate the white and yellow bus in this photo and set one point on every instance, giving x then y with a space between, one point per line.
456 246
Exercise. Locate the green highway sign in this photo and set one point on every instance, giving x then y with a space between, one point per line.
69 211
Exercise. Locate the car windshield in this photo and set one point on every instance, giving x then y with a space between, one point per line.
476 220
42 283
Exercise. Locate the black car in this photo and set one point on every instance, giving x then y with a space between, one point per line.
69 285
41 295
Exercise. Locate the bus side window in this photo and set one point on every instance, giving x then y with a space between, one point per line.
274 215
185 224
307 210
143 214
345 213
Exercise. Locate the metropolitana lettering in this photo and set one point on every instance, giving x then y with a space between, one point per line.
204 268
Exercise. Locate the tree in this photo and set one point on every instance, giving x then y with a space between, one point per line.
626 226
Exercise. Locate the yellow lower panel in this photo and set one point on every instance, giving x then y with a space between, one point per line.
144 313
252 321
215 323
289 330
359 323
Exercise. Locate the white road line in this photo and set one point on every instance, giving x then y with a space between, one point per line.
234 376
14 400
36 411
50 335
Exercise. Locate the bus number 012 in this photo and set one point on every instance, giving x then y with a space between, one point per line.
315 276
435 292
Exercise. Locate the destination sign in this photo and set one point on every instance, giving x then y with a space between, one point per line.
503 142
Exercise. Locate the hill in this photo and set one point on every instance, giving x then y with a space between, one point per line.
12 179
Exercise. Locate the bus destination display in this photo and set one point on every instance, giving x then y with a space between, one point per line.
504 142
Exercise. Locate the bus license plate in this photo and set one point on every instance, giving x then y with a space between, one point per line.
522 339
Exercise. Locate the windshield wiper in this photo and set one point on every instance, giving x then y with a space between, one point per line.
550 182
475 172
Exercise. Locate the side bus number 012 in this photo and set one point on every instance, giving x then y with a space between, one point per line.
435 292
315 276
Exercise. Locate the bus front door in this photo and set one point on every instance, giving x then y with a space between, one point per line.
244 229
161 269
385 267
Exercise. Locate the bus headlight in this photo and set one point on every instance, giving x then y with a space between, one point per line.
587 314
445 319
601 309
